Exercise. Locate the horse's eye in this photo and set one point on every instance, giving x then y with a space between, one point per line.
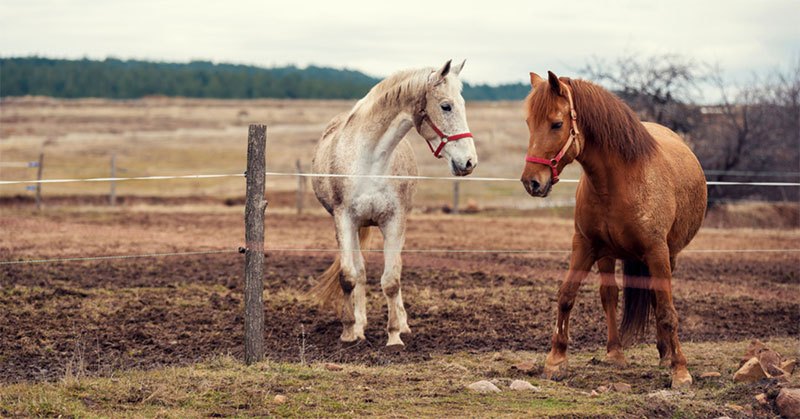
556 125
446 107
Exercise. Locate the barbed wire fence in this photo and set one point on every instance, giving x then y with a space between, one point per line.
254 249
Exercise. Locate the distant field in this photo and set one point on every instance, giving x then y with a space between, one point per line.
168 136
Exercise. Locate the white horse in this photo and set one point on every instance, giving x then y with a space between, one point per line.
369 141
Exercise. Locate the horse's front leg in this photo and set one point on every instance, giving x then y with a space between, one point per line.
393 240
609 295
353 280
581 262
658 262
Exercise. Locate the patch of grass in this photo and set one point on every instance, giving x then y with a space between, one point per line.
223 386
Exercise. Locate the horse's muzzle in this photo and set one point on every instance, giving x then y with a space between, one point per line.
462 169
535 188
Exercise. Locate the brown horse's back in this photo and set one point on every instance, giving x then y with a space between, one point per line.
688 185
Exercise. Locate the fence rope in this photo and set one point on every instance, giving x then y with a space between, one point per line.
331 175
113 257
334 250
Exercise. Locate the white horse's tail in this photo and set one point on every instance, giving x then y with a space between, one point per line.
328 291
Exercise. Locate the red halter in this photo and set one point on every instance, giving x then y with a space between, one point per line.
573 132
445 138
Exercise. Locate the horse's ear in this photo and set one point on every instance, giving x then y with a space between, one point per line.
438 76
457 68
535 79
555 84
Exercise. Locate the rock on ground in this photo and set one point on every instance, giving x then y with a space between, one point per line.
483 386
710 374
770 362
521 385
279 399
788 402
750 372
789 365
621 387
333 367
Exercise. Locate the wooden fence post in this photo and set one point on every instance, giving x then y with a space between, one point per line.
455 196
112 194
39 185
255 206
301 188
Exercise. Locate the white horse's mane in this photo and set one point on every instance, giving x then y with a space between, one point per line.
400 89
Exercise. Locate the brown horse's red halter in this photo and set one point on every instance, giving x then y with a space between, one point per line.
445 138
573 132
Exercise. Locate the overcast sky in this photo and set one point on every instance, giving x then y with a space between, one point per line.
502 40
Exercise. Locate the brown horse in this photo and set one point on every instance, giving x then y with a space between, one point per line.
641 199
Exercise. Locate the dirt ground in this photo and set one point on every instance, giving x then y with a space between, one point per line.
102 316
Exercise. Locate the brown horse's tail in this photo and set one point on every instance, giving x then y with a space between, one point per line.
328 291
638 296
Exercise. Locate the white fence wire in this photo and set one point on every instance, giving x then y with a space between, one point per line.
336 250
394 177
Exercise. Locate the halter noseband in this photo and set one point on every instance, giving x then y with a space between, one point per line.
444 138
573 132
421 116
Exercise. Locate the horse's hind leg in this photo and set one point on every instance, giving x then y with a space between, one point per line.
609 295
393 240
581 262
353 280
662 339
658 262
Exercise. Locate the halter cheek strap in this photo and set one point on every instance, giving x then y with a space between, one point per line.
573 133
444 138
421 116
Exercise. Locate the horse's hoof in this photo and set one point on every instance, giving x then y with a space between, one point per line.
681 378
555 369
394 340
349 335
617 359
405 329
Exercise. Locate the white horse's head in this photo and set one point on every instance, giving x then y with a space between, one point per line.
443 110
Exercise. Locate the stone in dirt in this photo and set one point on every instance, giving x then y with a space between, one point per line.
522 385
602 389
525 366
621 387
789 366
770 362
333 367
280 399
788 402
483 386
755 347
710 374
750 372
762 399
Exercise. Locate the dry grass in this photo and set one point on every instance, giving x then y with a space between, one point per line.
222 387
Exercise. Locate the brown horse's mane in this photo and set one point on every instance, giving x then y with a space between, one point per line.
603 118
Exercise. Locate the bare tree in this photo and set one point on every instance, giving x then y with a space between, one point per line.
660 87
758 134
755 129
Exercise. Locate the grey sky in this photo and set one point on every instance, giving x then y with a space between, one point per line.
502 40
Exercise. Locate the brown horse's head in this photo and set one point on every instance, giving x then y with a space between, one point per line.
552 133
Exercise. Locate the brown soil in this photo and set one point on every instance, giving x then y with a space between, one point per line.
99 316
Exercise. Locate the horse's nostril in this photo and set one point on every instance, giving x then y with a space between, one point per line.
535 185
469 164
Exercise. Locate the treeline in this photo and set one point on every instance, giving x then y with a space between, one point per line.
130 79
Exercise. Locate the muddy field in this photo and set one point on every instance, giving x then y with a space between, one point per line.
101 316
